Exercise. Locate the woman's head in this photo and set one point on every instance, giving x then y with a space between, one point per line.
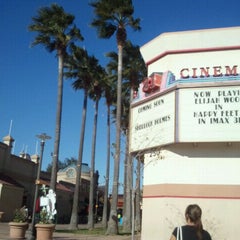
193 213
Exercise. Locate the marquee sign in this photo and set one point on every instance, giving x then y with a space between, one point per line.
153 123
209 114
192 114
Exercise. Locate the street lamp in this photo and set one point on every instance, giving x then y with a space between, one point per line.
43 137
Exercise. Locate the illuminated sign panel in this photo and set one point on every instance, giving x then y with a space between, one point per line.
209 114
152 123
199 114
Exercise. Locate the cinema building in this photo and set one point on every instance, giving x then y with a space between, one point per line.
185 122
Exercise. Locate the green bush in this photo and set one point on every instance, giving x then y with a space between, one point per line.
20 215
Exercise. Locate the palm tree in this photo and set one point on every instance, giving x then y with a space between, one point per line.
98 80
56 32
134 70
79 67
109 93
115 16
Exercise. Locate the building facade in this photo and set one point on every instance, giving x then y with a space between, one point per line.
17 183
186 123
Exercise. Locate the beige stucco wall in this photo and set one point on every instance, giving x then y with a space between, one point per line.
187 41
176 62
164 214
10 199
183 174
189 163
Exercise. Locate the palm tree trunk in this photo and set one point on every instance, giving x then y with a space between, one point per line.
58 123
113 220
129 180
138 197
127 224
125 184
105 206
74 216
92 170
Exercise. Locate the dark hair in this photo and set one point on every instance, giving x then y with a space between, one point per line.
194 213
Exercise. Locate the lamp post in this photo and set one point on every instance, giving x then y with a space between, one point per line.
43 137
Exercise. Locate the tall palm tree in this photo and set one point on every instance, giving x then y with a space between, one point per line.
56 31
134 70
109 93
112 67
113 17
98 80
79 68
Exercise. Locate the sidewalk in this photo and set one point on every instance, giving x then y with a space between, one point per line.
4 234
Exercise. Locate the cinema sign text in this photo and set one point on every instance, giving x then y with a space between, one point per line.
203 72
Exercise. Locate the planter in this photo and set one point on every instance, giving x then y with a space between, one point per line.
18 230
45 231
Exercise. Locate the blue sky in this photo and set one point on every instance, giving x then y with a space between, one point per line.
28 76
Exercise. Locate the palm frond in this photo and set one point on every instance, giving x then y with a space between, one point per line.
55 28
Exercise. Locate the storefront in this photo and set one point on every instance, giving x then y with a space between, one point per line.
185 120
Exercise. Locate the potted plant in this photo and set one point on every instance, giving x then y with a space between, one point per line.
45 227
19 225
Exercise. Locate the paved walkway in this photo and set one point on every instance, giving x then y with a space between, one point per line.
4 234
